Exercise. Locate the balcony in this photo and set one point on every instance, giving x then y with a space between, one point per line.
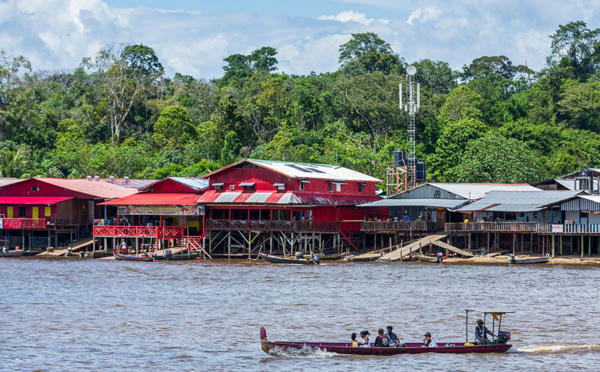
393 226
158 232
569 229
492 227
260 225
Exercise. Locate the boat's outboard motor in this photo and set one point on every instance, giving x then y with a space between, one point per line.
503 337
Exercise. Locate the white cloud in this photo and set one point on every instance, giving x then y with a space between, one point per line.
348 16
430 13
57 34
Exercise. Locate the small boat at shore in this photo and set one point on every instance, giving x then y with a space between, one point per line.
498 345
286 260
11 253
424 258
528 260
126 257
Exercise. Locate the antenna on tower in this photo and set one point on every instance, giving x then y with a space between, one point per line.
411 108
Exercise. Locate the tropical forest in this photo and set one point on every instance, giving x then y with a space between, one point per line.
118 114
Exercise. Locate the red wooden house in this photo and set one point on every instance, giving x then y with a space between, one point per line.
41 212
284 207
161 212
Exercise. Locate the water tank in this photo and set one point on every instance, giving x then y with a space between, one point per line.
421 171
585 172
399 158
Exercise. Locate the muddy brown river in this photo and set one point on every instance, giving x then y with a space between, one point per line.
83 314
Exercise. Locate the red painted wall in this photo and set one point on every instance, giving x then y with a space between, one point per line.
168 185
25 188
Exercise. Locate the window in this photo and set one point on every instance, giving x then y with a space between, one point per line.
47 211
281 186
22 212
35 188
361 186
437 194
331 187
302 185
218 185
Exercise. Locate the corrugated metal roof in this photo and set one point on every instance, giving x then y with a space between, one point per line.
196 183
518 201
8 181
305 170
441 203
102 190
32 200
258 197
150 198
281 198
478 190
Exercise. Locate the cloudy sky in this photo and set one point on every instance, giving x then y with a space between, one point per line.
193 37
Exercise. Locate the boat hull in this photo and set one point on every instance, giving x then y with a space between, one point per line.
283 260
270 347
124 257
346 349
12 254
524 261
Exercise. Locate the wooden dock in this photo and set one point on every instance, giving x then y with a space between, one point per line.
452 248
406 250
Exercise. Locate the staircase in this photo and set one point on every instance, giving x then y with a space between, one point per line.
413 247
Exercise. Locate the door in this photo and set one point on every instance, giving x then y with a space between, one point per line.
9 212
35 212
441 219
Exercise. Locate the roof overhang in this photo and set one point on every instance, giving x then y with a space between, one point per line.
435 203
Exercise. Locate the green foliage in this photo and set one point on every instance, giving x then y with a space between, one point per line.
174 128
371 53
116 114
495 158
451 146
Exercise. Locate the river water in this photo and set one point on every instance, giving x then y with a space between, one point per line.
83 314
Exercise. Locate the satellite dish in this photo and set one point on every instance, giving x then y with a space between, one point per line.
411 70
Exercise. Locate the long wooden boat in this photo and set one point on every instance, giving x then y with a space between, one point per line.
270 347
126 257
182 256
532 260
285 260
11 254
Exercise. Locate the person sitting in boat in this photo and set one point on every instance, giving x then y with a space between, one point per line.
123 246
394 339
365 339
354 342
481 332
428 341
382 340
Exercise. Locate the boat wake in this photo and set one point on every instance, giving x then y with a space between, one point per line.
560 348
305 352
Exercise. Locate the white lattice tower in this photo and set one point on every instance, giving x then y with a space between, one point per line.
411 108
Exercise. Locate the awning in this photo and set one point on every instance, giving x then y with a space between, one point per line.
247 184
433 203
338 182
32 200
151 198
220 184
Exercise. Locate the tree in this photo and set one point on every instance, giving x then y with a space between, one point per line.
579 106
231 148
12 163
575 47
497 159
371 52
450 148
174 128
461 104
241 67
126 73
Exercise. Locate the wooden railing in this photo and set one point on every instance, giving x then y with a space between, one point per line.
518 227
159 232
24 223
377 226
569 229
259 225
